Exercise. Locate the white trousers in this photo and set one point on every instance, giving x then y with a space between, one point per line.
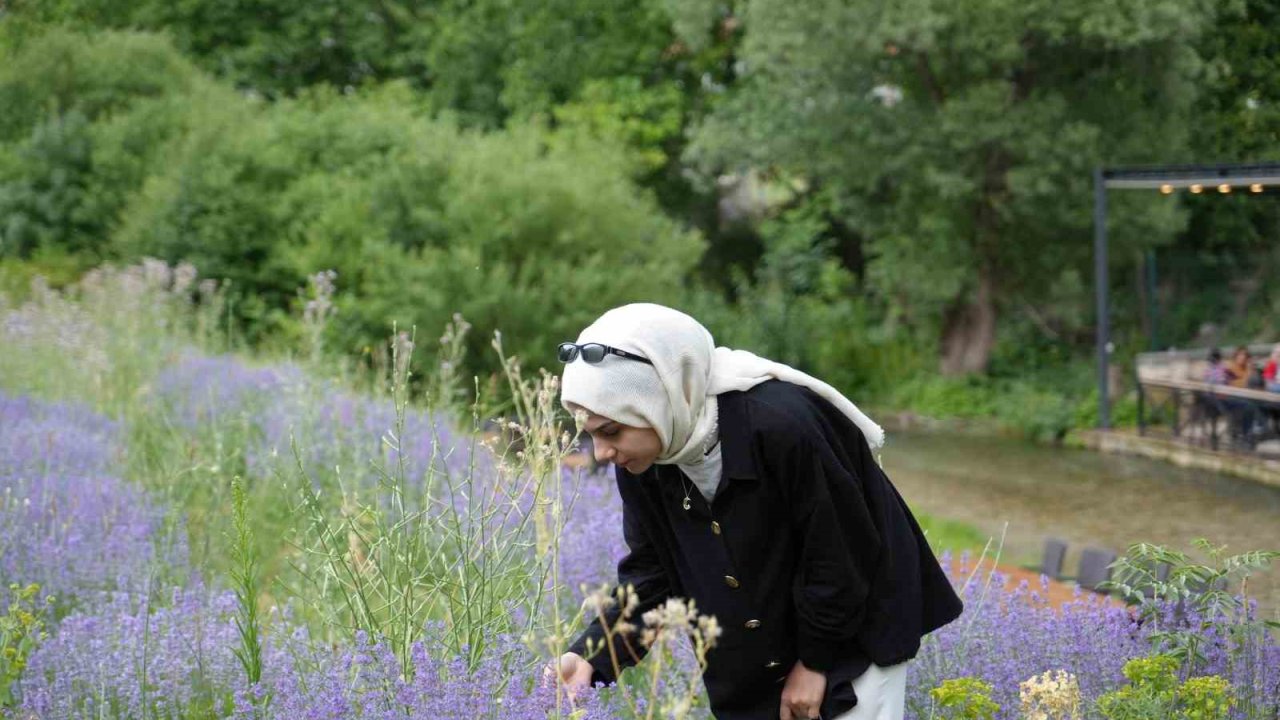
882 694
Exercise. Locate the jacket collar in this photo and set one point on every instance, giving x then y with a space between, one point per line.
735 436
736 455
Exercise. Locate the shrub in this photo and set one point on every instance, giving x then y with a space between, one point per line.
87 117
94 74
965 699
46 204
420 220
1154 693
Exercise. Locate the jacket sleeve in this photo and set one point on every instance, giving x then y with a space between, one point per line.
840 547
640 568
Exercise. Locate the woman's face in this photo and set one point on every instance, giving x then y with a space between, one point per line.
632 448
1242 357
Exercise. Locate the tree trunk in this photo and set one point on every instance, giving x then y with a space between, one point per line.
969 328
969 325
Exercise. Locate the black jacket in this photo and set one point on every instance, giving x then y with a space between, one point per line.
807 552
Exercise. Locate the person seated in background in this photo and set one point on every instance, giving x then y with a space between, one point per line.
1242 414
1271 381
1216 373
1269 378
1240 367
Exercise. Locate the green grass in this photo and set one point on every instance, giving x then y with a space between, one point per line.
952 535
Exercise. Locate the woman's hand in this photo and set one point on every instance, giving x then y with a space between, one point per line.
575 673
802 694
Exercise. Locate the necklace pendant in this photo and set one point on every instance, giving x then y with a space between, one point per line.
687 504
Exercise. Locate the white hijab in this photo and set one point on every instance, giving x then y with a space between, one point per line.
675 395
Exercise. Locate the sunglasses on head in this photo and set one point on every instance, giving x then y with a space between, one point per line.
592 353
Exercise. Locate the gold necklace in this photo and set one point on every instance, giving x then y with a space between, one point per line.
713 439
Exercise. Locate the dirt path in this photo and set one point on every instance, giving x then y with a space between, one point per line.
1057 594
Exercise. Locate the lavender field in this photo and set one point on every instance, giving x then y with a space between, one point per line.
191 533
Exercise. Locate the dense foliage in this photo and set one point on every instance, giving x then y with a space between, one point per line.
872 193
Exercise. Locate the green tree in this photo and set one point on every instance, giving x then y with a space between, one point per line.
637 73
486 59
1238 116
96 74
1219 271
960 138
44 203
273 47
86 117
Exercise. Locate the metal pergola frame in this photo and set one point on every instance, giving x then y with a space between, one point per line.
1249 178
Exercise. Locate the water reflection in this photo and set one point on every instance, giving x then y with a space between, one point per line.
1084 497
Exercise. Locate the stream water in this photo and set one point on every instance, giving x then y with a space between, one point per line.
1083 497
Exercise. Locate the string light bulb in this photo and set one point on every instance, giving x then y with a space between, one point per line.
1197 189
1256 187
1166 189
1224 188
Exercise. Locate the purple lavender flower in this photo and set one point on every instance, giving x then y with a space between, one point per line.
1007 636
134 658
199 389
133 645
592 542
67 521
